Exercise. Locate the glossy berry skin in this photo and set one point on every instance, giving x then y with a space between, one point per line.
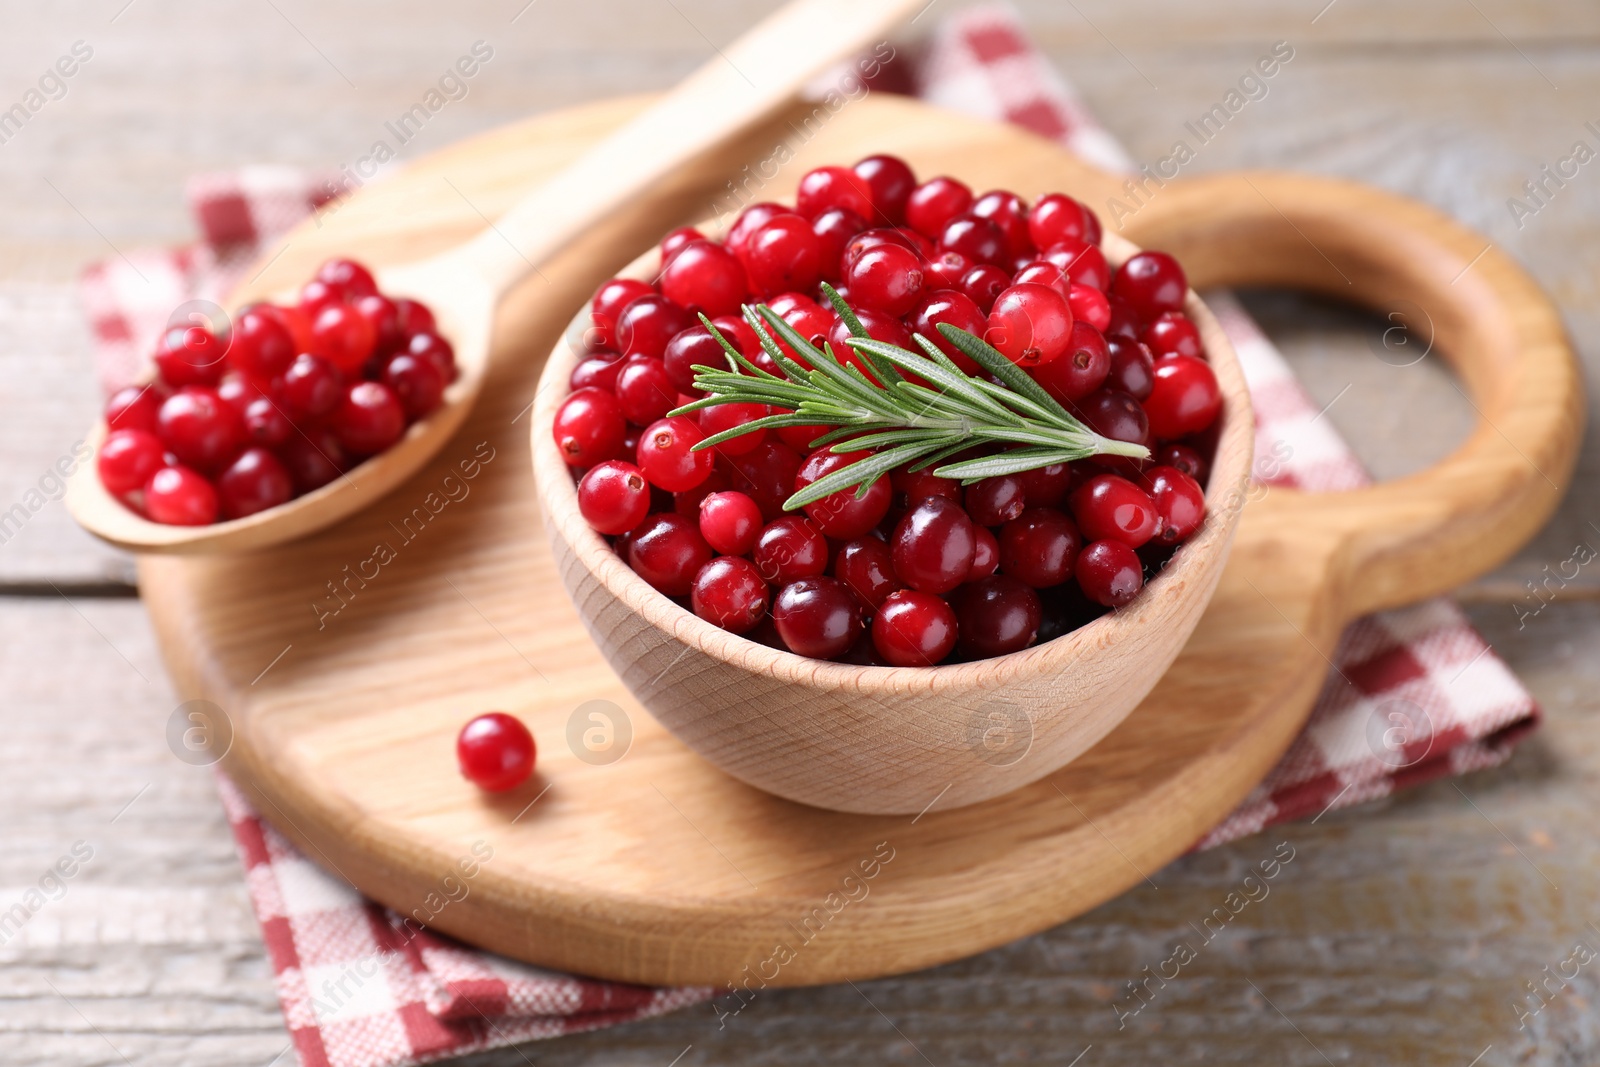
1090 305
265 424
1180 504
436 350
200 428
314 458
790 549
730 522
1184 399
1132 368
957 309
749 221
1084 263
254 482
875 238
347 277
834 230
866 565
646 325
607 306
887 277
817 617
945 271
985 554
667 456
879 326
588 428
1081 369
994 501
983 285
827 188
614 497
691 348
134 408
766 475
1111 507
980 240
843 515
911 487
260 346
340 335
1047 487
1114 414
384 318
1109 573
667 551
179 496
417 382
704 276
1042 272
369 419
127 459
933 546
310 388
1007 211
1184 458
495 752
1151 283
890 181
414 317
1056 218
1031 325
190 355
783 256
645 391
237 390
996 616
1173 334
933 204
729 593
1039 547
723 417
677 241
913 629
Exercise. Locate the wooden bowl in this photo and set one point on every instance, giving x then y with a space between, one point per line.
889 740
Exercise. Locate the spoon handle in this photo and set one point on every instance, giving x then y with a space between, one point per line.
736 89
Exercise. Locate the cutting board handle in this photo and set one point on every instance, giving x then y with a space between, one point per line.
1445 290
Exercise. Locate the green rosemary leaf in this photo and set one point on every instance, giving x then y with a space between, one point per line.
885 372
860 473
733 353
1015 462
789 367
989 358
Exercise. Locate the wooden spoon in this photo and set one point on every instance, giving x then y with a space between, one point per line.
746 83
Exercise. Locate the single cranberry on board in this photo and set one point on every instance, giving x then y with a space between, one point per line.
495 752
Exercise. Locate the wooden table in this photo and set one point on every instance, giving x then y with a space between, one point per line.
1404 932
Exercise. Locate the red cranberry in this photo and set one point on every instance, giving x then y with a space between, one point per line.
311 387
237 390
729 593
1042 272
984 284
687 503
384 318
945 270
416 381
705 276
888 278
843 515
1184 458
667 551
827 188
676 242
933 204
808 320
495 752
608 304
1030 325
297 320
414 316
1084 263
667 455
800 438
834 229
766 475
200 428
646 325
1007 211
347 277
916 486
1090 305
790 549
914 629
314 458
785 255
866 565
879 326
817 617
645 391
994 501
1110 507
1124 322
260 346
1185 398
190 355
957 309
1057 217
178 496
588 428
985 554
340 335
996 616
867 240
134 408
980 240
694 347
1173 334
749 221
614 497
1081 370
1179 501
1132 367
891 181
369 419
127 460
1151 282
722 417
1109 573
1039 547
437 351
254 482
933 546
1114 414
265 423
1046 487
730 522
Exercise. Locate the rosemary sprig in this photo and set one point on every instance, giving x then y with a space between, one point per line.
901 420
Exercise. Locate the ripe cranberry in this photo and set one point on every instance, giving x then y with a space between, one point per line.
800 438
254 482
340 335
1057 217
843 515
715 420
1007 211
834 229
879 327
985 554
957 309
1185 398
1030 325
934 203
1114 414
817 617
676 242
237 390
127 460
297 320
1132 367
1184 458
810 321
994 501
134 408
912 487
416 382
1109 573
980 240
384 318
866 240
785 255
887 277
190 355
200 428
414 316
368 419
1039 547
933 546
1151 282
1046 487
1180 504
347 277
495 752
790 549
608 304
260 346
914 629
749 221
265 423
687 503
983 285
436 350
706 277
766 475
614 497
310 388
646 325
667 551
1124 322
1090 305
996 616
1108 506
891 182
645 391
1043 272
1084 263
729 593
314 458
866 565
667 455
588 428
178 496
694 347
945 270
827 188
1081 370
1173 334
730 522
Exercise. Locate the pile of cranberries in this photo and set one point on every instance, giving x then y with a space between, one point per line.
280 404
918 570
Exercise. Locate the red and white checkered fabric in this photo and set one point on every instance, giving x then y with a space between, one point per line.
1416 693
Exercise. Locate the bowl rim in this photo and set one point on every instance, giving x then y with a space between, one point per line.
1226 494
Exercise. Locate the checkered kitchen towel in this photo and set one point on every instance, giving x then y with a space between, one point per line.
1417 694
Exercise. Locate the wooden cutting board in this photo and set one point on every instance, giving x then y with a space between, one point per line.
345 663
